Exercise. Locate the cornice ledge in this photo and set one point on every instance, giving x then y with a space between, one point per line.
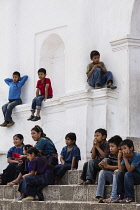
125 43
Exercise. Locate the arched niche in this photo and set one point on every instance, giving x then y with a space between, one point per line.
135 19
52 58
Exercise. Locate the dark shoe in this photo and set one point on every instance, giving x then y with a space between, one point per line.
117 200
4 124
36 118
127 200
111 86
31 117
88 181
10 123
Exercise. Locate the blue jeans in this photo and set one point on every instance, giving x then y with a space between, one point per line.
114 194
92 169
8 107
104 176
60 170
126 182
36 102
98 77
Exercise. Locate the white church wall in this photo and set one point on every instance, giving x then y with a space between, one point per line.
79 26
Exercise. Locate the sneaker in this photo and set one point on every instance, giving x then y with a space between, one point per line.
31 117
117 200
88 181
127 200
36 118
111 86
10 123
4 124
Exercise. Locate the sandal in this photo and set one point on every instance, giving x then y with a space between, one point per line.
12 183
108 200
28 199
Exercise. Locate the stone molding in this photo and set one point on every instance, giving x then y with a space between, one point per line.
75 99
125 43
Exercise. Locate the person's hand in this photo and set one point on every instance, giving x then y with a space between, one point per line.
99 65
125 154
63 162
103 165
96 143
120 154
44 99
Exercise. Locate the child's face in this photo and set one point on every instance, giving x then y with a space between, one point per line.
30 156
35 135
113 148
99 137
96 59
16 78
126 150
69 142
41 75
17 142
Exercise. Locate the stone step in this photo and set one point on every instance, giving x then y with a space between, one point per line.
64 205
71 177
65 192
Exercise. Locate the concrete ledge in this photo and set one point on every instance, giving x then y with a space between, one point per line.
63 205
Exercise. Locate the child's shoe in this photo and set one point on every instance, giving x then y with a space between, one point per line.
4 124
31 117
111 86
127 200
117 200
88 181
36 118
10 123
97 86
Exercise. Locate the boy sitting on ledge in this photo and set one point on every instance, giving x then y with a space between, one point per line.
97 73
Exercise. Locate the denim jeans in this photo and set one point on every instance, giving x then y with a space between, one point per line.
126 182
60 169
8 107
104 176
36 102
84 171
92 169
98 77
114 194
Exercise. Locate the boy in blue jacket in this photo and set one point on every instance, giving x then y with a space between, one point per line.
15 85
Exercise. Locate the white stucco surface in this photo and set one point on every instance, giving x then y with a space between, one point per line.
59 35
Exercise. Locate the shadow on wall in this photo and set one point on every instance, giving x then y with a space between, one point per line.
52 58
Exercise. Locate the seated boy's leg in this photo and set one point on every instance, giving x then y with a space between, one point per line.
84 172
92 170
130 179
39 100
120 184
10 107
4 110
104 176
95 78
108 77
114 194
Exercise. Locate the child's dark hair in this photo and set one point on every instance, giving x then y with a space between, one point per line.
94 53
128 143
102 131
42 70
115 140
38 129
20 136
72 136
27 146
16 73
37 154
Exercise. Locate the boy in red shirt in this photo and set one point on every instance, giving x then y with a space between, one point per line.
43 92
